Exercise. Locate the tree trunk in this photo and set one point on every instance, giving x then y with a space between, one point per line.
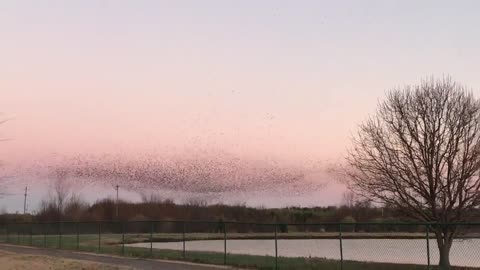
444 244
444 263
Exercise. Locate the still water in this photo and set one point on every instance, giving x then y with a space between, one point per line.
414 251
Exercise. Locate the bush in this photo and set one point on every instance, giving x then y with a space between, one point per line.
348 228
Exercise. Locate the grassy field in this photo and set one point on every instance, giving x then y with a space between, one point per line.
111 244
130 238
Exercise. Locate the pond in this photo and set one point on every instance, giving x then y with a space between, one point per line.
411 251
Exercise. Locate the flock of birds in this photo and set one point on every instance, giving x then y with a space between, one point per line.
192 173
211 177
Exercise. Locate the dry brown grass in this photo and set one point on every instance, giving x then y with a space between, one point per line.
15 261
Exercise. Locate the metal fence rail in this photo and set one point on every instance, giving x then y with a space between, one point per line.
340 246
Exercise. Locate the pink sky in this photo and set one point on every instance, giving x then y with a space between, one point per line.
282 80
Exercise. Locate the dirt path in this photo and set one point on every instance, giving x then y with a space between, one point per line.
131 263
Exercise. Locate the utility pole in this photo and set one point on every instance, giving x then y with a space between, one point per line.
25 201
116 211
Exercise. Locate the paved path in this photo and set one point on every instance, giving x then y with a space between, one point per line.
115 260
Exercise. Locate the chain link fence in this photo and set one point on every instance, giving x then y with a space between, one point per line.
342 246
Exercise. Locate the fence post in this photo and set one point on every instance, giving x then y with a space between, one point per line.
7 232
123 238
77 230
45 235
60 235
276 247
224 243
341 245
99 236
151 238
183 239
427 229
31 233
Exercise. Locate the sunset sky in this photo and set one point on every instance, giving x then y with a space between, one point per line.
286 80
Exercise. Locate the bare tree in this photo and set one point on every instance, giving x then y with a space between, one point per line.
61 188
349 199
420 152
4 179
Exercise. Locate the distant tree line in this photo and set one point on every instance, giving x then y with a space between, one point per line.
76 209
